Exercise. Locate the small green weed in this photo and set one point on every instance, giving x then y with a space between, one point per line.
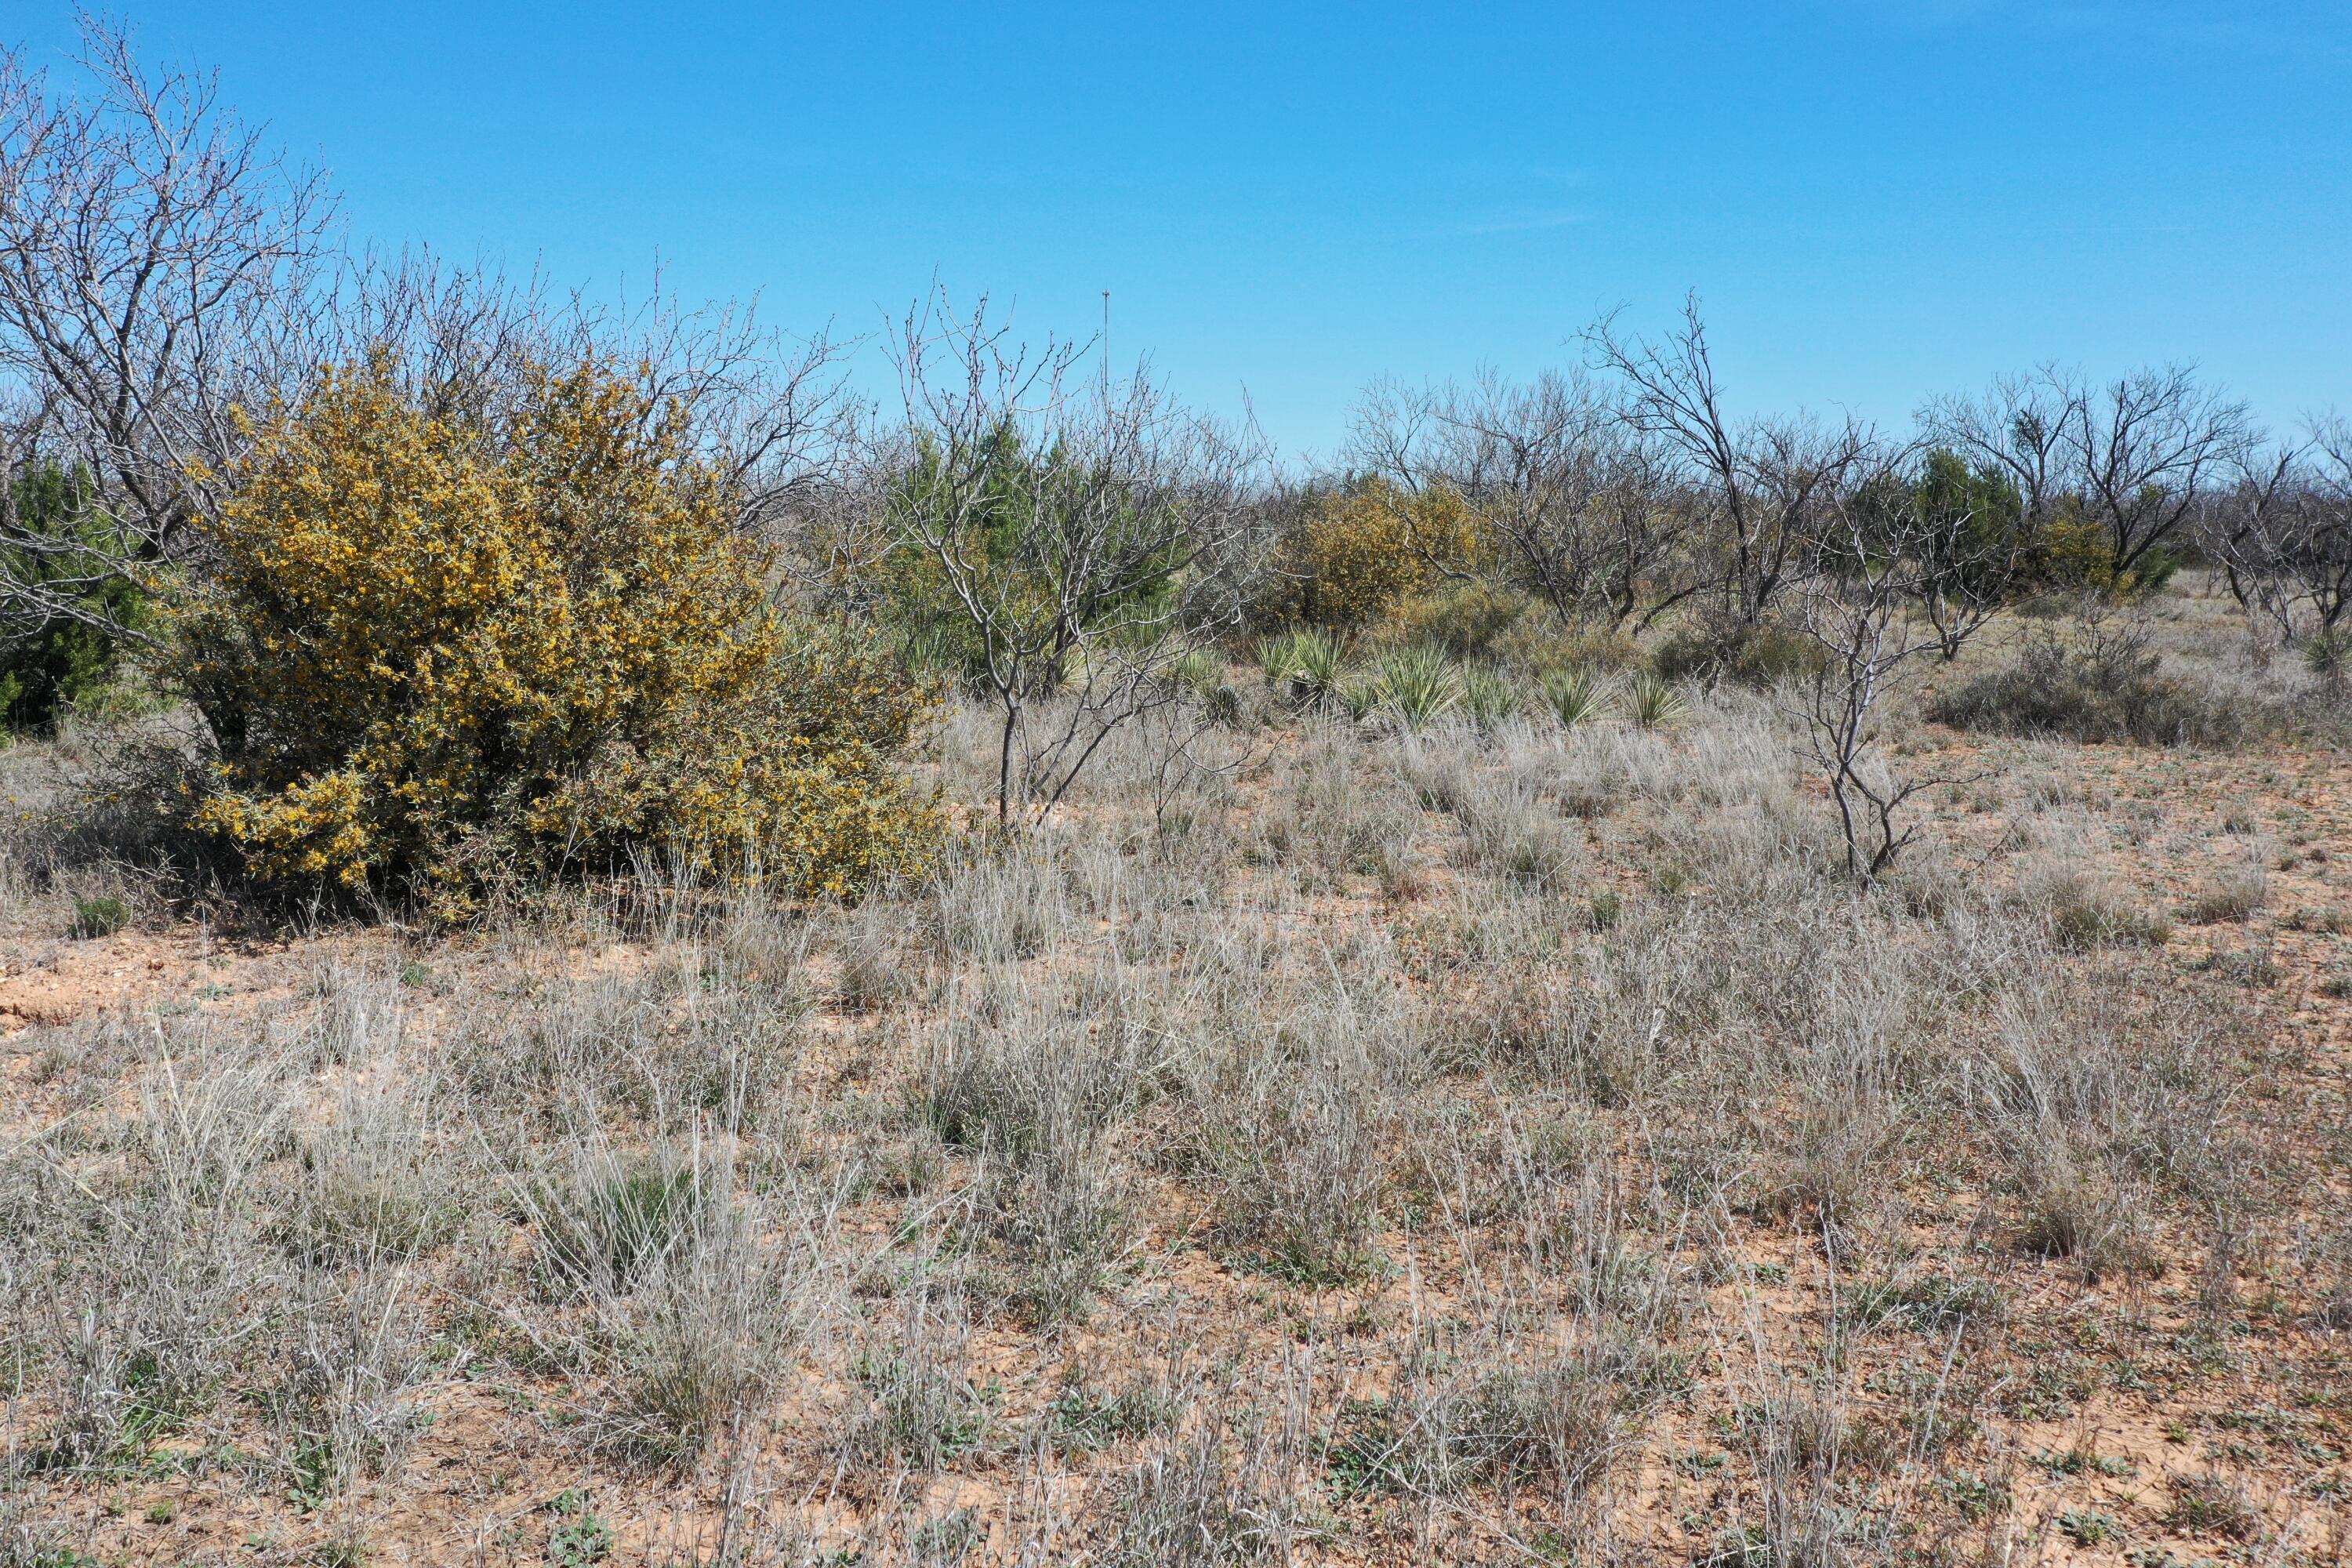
100 917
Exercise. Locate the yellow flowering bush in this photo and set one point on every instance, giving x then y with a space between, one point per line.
433 646
1359 554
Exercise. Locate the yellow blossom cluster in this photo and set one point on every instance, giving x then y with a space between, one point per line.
1362 551
432 643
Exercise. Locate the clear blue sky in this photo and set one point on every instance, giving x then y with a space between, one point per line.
1877 199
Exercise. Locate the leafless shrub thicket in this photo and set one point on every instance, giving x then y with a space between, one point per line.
1762 485
1577 496
2284 535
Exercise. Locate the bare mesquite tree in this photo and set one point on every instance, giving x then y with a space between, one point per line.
2148 447
2133 458
1761 489
2284 535
1085 536
1579 503
149 243
2250 530
2318 547
1900 557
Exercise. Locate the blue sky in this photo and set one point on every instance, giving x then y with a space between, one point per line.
1877 199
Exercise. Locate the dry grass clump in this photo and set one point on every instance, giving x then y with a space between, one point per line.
1237 1485
918 1408
1039 1095
2084 911
2212 1504
2096 1112
1299 1132
141 1287
2235 894
380 1184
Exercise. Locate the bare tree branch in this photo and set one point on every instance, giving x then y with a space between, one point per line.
1762 484
1087 541
148 243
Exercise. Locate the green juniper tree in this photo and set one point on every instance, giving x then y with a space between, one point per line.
60 541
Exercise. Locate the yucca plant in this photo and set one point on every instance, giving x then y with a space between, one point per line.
1201 675
1306 665
1653 700
1575 696
1488 695
1417 684
1274 658
1319 662
2328 653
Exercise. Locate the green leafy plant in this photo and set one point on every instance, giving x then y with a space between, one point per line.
100 917
2088 1527
578 1537
59 550
1576 695
1417 685
1653 702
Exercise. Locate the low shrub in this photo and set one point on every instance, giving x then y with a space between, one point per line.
1358 554
1541 644
100 917
1468 620
1759 656
443 649
2103 693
